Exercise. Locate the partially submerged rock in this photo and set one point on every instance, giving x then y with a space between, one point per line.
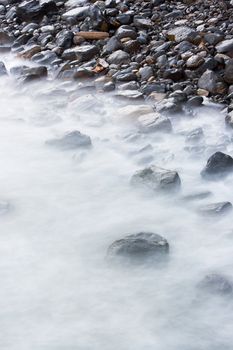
157 179
71 141
154 122
215 209
139 247
218 164
216 284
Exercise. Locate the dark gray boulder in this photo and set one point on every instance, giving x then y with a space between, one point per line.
216 284
71 141
139 247
157 179
218 164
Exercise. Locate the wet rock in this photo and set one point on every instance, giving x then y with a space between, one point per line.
139 248
146 73
119 57
45 57
112 45
215 209
126 32
26 74
213 38
76 14
228 73
154 122
182 33
225 46
3 70
195 101
64 39
30 51
71 141
33 9
229 119
80 53
157 179
218 164
142 23
216 284
134 111
194 61
208 81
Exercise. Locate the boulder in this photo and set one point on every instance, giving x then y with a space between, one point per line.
218 164
71 141
139 248
216 284
157 179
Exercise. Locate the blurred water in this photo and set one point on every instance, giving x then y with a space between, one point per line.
57 291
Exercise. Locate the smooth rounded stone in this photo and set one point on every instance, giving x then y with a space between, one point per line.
119 57
132 46
215 209
194 61
109 86
228 73
154 122
149 88
218 164
225 46
182 33
29 28
169 106
216 284
2 9
80 53
134 111
45 57
139 248
213 38
34 9
132 85
71 141
142 23
195 135
64 39
184 46
76 14
125 32
195 101
175 74
6 40
208 81
25 73
229 119
112 45
146 73
3 70
29 51
129 94
125 75
157 179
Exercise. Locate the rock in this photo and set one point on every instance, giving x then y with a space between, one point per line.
33 9
125 32
218 164
112 45
228 73
5 38
215 209
229 119
91 35
139 248
142 23
197 196
80 53
213 38
225 46
195 101
154 122
208 81
216 284
182 33
45 57
157 179
76 14
26 74
30 51
71 141
3 70
146 73
134 111
194 61
119 57
64 39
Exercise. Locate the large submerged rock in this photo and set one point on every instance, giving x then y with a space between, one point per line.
216 284
70 141
157 179
139 247
218 164
215 209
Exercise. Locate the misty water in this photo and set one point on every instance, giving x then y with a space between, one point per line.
58 292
